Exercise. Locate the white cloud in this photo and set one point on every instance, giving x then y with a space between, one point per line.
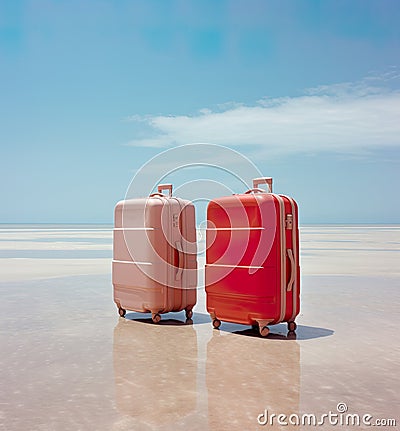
348 117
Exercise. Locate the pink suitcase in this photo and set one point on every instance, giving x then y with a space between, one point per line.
154 268
252 259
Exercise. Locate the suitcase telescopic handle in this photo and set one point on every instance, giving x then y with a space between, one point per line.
162 187
263 180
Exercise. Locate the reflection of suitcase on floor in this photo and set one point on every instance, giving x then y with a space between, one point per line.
155 371
246 377
154 261
252 260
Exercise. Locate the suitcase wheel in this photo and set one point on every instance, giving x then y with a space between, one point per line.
291 326
264 331
155 317
121 311
216 323
189 314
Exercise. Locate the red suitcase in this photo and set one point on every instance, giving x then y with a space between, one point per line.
154 266
252 271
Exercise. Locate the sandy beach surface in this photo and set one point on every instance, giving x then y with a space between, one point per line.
68 362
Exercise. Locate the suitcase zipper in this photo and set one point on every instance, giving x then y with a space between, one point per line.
180 273
295 264
282 226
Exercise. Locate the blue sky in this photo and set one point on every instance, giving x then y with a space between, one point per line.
309 91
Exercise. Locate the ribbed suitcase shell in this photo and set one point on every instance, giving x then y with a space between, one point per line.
252 259
154 266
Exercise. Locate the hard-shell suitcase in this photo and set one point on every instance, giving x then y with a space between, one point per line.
252 273
154 266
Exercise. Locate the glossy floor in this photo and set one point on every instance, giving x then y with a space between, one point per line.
68 362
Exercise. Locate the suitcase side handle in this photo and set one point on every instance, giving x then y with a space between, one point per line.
263 180
292 269
178 247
